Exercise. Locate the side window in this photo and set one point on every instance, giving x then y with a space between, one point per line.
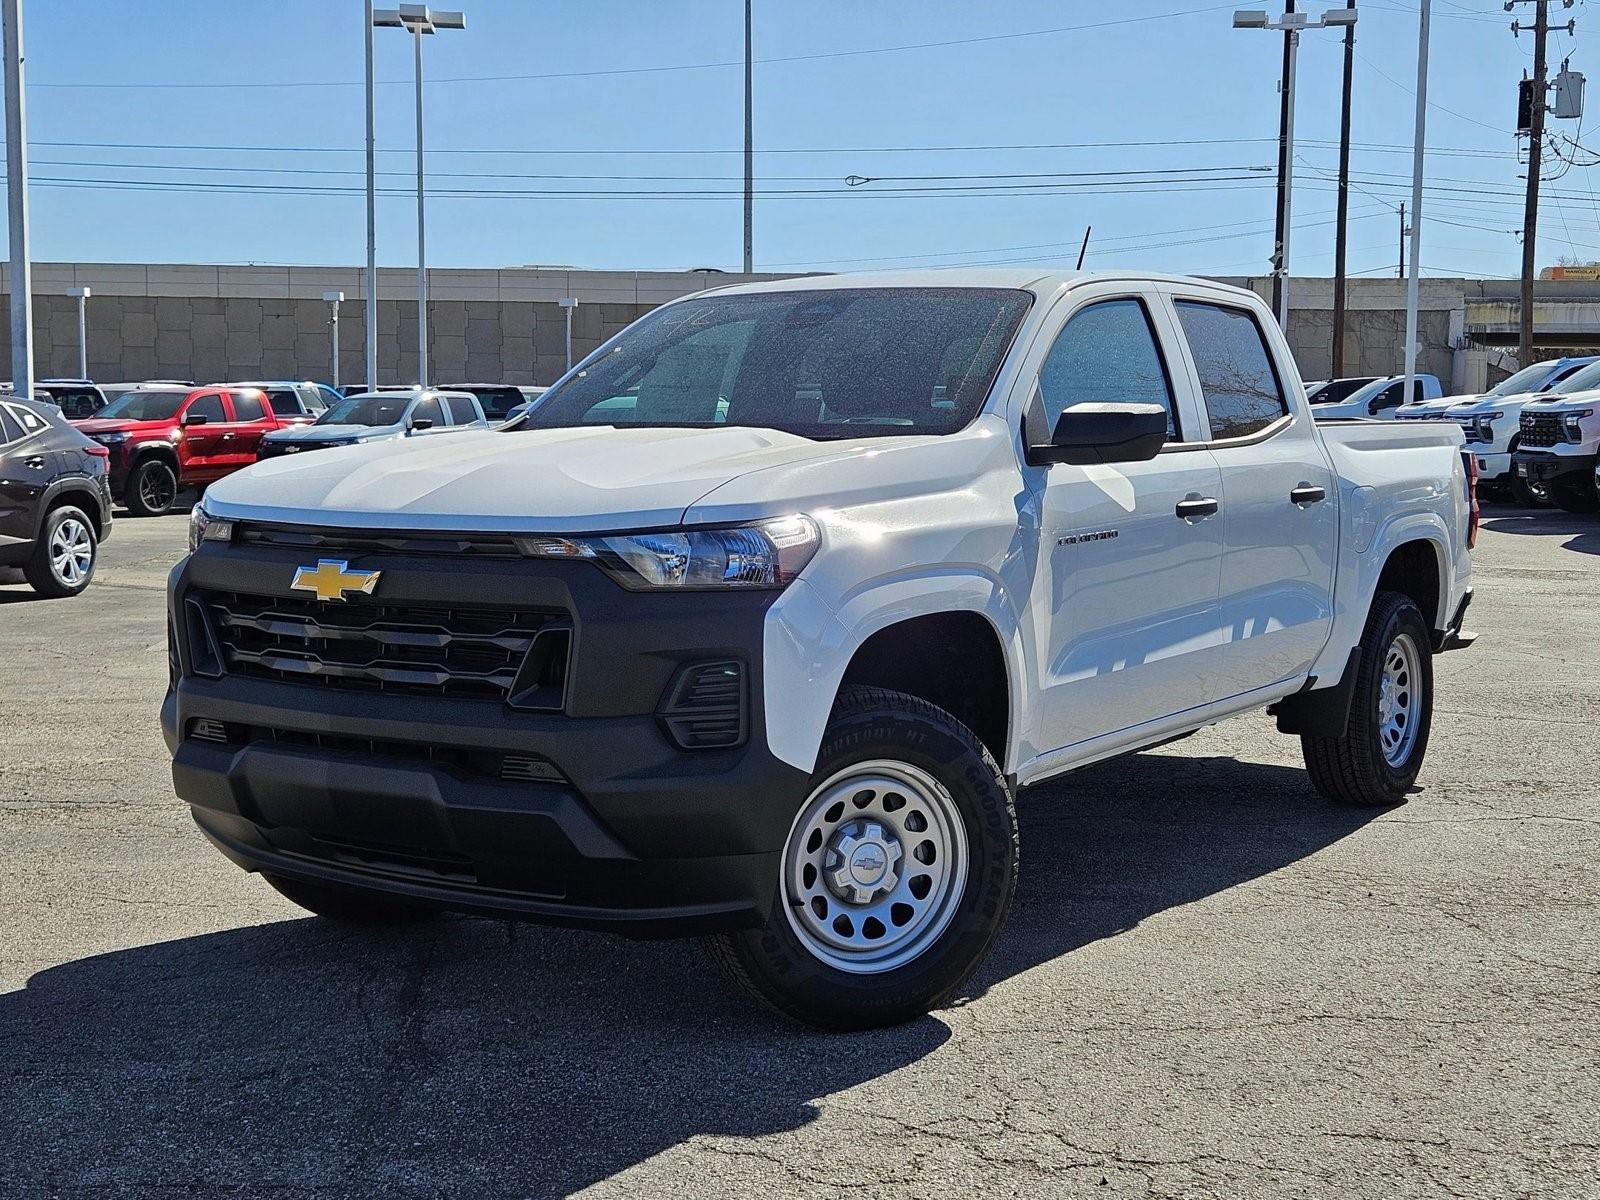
285 402
10 431
1237 378
461 410
1106 352
427 410
247 407
324 396
31 422
1391 395
209 407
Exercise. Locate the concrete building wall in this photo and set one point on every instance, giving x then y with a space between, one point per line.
214 323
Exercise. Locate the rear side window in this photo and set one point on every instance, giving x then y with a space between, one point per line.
10 431
1241 388
31 422
1106 353
247 407
461 410
209 407
285 402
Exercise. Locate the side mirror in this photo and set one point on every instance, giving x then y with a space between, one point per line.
195 419
417 423
1372 409
1105 433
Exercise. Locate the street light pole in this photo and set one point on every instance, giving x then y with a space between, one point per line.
333 299
82 294
1412 279
1291 24
372 221
568 304
749 152
17 202
419 19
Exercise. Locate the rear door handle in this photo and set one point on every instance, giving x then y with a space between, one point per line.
1307 493
36 462
1196 509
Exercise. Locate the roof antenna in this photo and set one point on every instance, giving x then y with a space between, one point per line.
1084 249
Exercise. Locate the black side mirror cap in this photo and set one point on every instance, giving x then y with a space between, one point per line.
195 419
417 423
1104 433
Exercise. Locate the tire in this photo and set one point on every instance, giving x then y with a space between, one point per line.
63 559
932 806
1577 497
152 488
1376 762
348 906
1523 494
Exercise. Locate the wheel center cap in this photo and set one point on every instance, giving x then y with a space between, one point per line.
860 861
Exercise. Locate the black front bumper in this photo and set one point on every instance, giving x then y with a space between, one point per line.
1539 467
406 793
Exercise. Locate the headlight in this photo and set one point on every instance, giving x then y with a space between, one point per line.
763 554
112 439
1573 421
204 528
1484 425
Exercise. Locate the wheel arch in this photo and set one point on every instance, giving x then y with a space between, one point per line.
76 493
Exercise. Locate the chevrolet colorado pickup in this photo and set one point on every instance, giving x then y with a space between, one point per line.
754 624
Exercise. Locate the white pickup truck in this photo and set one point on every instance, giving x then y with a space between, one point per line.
755 624
1559 443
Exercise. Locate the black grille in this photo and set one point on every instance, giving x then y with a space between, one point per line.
1541 429
466 653
449 544
705 708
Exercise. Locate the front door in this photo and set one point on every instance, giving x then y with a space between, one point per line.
203 442
250 421
1280 516
1129 552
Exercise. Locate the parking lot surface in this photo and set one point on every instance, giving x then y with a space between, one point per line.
1213 983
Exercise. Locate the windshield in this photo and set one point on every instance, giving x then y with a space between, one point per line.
1582 380
366 410
822 364
1525 380
144 406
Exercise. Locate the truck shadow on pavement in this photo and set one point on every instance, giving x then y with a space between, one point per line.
473 1057
1581 530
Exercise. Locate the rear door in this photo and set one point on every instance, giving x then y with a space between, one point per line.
464 411
26 469
251 421
1279 498
1129 552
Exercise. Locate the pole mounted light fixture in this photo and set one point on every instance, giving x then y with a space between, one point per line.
81 295
419 20
334 299
1291 24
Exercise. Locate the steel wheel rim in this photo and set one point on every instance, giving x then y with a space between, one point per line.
1400 699
71 551
875 867
157 488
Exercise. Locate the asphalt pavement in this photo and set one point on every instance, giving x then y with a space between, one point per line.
1213 983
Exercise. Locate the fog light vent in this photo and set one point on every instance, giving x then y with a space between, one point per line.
208 731
529 768
705 706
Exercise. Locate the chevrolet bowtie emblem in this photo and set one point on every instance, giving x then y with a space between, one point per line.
330 579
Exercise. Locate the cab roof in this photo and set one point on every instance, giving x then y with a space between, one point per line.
1033 279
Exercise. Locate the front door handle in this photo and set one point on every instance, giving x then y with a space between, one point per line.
1197 508
227 437
1307 493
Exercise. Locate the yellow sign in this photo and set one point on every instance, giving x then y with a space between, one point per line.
330 579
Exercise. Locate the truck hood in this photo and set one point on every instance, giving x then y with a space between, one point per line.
1500 404
94 425
1569 402
592 479
1433 406
332 433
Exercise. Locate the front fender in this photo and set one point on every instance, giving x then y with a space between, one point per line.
809 647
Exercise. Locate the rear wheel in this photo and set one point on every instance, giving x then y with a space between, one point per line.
896 876
63 560
152 488
1380 754
349 906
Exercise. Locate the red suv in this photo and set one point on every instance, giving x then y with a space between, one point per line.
163 439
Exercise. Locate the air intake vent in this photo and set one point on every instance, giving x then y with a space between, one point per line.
705 706
529 768
208 731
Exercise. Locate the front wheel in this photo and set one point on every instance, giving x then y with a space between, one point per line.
1575 497
896 876
152 488
1380 754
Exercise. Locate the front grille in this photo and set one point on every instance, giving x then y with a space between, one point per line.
465 653
1541 429
350 542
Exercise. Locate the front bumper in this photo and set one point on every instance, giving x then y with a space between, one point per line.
1545 467
1492 467
408 794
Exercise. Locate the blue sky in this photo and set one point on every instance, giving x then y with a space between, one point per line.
285 79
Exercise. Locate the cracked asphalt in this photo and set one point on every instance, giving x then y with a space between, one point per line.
1213 984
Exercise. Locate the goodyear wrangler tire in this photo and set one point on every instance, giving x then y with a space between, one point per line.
1391 712
896 877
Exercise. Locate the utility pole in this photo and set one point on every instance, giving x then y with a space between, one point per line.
1280 228
17 203
1530 212
1419 143
1340 241
372 224
1400 271
749 150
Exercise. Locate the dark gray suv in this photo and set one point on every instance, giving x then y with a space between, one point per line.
55 497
